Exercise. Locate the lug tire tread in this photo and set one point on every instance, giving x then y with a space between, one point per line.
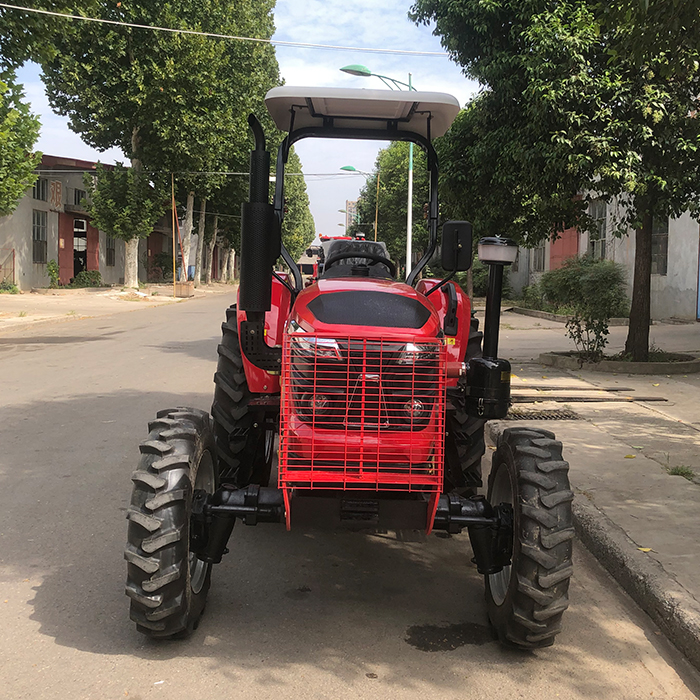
531 614
158 577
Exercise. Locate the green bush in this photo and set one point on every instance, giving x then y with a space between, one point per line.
593 291
52 272
7 287
87 278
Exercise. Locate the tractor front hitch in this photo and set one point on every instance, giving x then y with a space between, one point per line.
490 528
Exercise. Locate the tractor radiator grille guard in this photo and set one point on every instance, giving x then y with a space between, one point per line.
359 413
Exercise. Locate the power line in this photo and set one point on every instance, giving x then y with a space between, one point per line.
212 35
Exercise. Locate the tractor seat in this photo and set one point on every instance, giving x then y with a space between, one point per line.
343 268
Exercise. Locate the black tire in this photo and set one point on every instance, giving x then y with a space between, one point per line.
526 601
168 585
464 440
244 439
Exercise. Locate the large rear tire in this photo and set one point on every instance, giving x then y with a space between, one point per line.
166 582
244 438
526 600
464 440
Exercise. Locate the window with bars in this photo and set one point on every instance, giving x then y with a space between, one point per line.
78 196
538 259
111 252
39 244
598 211
40 190
659 246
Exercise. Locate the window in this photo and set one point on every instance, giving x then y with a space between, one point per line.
538 259
111 252
659 246
41 189
598 211
516 263
39 236
78 196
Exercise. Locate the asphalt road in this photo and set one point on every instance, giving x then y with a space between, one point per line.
294 615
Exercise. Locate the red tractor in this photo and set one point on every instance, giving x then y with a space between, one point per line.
376 391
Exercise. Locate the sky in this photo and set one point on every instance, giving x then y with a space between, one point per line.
362 23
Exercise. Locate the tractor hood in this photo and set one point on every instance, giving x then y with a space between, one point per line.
371 308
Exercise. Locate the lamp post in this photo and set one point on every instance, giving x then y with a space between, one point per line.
364 72
353 169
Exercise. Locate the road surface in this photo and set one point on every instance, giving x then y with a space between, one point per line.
293 615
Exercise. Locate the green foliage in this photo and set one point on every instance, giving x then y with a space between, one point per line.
19 130
594 290
392 164
8 287
480 280
125 203
298 228
53 273
87 278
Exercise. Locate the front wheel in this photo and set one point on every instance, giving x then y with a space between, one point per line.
167 583
526 600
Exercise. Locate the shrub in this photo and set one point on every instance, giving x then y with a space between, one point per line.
87 278
52 272
594 291
7 287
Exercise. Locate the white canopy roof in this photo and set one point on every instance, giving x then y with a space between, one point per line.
362 109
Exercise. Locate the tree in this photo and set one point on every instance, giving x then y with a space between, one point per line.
619 126
171 102
126 205
392 166
298 229
19 130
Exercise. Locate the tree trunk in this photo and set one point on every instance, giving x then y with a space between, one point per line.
200 243
131 263
131 254
210 252
470 285
231 265
187 236
637 344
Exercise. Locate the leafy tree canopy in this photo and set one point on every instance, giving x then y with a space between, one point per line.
124 202
298 228
19 130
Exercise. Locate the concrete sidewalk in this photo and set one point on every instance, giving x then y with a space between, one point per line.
18 311
631 511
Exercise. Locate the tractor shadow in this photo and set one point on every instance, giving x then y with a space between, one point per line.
354 606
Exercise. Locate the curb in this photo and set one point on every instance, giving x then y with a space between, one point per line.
566 361
559 318
667 603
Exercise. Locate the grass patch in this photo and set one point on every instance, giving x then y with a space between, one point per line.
681 470
22 314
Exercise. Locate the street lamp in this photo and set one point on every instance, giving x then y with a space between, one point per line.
364 72
353 169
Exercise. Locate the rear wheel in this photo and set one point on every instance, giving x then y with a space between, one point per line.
245 438
464 441
166 582
526 600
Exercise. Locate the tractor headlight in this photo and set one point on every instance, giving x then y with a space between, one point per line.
417 352
324 348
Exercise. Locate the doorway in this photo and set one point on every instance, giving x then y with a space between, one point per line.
79 246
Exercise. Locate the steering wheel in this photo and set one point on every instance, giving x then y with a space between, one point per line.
354 254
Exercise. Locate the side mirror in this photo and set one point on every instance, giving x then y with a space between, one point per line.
456 253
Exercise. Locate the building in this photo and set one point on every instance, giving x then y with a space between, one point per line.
675 278
51 223
351 213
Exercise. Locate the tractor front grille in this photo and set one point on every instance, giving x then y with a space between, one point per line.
364 411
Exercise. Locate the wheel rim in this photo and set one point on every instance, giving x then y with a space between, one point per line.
205 481
502 493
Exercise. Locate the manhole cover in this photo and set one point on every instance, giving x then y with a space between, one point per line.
531 414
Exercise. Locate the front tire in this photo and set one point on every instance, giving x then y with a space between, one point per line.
166 582
526 600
